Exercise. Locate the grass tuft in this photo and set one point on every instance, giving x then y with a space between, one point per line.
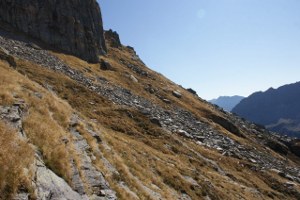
15 156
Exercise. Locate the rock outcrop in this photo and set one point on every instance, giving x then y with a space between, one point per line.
4 55
72 26
113 38
50 186
295 146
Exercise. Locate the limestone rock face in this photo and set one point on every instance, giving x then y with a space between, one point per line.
74 26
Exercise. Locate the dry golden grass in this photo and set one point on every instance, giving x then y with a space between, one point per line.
15 156
139 163
144 155
7 85
47 119
47 136
163 86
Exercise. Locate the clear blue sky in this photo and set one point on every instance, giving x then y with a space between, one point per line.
217 47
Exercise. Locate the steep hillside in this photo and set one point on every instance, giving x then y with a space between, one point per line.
116 129
227 102
277 109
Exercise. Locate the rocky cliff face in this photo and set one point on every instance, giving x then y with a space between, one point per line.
71 25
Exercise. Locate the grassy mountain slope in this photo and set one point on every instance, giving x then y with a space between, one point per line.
149 137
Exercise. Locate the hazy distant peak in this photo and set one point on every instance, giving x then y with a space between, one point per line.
227 102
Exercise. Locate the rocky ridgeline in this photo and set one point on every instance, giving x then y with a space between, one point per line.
113 38
175 120
70 25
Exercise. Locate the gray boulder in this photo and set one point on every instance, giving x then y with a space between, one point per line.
177 94
50 186
104 65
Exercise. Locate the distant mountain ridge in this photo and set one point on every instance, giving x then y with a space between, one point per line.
277 109
227 102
